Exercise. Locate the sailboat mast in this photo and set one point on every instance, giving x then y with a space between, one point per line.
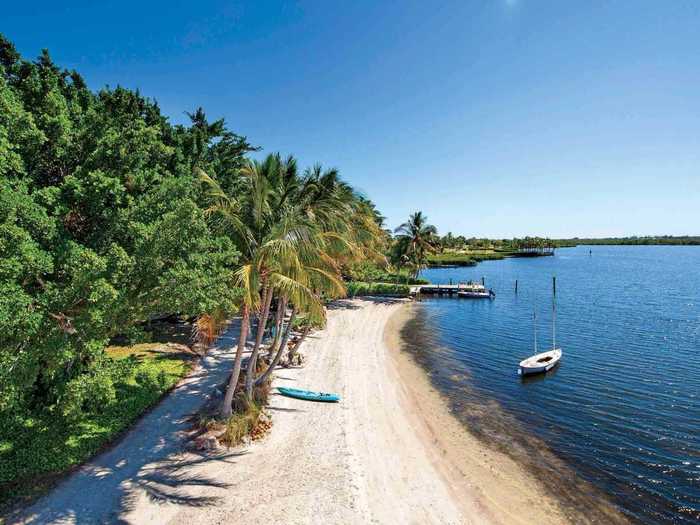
534 318
554 313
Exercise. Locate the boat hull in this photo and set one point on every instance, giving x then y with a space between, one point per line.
540 363
476 295
308 395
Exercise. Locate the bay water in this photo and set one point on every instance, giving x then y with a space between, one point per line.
621 413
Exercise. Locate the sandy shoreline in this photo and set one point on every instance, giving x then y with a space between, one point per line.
501 482
390 452
488 486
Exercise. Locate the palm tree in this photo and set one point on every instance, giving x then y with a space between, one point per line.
230 212
293 233
253 222
321 222
416 239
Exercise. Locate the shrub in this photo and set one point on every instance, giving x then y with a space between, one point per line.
88 394
151 379
240 424
358 289
134 335
371 273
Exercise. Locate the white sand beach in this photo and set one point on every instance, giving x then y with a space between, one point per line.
389 452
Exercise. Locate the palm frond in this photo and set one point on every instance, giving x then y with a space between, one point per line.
249 280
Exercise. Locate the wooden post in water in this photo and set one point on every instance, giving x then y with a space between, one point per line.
483 282
554 285
516 286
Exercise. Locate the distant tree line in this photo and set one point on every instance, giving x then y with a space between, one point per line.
417 244
460 242
681 240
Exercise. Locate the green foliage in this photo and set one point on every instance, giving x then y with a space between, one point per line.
150 379
38 445
303 321
371 272
240 425
452 259
450 243
88 393
414 242
465 259
102 225
358 289
678 240
111 216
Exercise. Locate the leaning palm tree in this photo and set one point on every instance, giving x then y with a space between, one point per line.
289 248
290 232
416 239
322 223
247 219
229 212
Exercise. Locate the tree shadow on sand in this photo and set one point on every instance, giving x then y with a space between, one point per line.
352 304
283 409
148 460
168 482
109 493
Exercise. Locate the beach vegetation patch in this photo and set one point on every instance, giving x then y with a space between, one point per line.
360 289
36 447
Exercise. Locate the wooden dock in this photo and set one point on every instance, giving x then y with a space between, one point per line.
440 289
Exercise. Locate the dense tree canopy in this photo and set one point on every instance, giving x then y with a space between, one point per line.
101 223
110 215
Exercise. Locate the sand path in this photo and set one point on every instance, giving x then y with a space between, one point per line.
373 458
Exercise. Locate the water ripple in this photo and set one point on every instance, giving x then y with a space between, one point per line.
623 409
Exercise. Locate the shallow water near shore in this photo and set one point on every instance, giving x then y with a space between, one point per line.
622 411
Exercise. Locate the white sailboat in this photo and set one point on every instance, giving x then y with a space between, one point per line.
545 361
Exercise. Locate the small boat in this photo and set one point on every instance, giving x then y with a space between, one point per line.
545 361
472 290
307 395
540 363
476 294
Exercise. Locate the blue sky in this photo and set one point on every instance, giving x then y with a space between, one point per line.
497 118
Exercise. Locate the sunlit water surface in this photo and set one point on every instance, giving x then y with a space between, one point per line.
622 411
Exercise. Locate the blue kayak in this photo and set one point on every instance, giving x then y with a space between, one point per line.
307 395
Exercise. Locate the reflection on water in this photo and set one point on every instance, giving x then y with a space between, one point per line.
621 411
536 378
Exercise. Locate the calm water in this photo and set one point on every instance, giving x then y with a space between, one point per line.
622 410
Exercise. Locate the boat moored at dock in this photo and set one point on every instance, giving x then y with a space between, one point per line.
468 290
474 290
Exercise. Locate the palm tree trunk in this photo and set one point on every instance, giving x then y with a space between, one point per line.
226 406
280 350
279 319
294 349
253 360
